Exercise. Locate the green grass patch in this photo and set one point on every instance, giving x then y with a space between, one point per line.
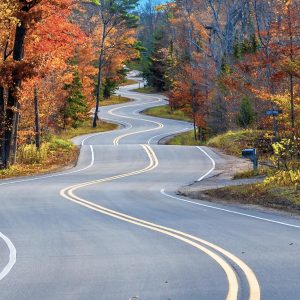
145 90
184 139
114 99
87 128
165 112
232 142
128 82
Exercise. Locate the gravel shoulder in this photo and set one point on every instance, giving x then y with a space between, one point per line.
226 167
220 187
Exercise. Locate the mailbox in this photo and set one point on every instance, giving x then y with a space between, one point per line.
251 154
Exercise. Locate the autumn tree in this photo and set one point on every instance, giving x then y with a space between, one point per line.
113 17
34 33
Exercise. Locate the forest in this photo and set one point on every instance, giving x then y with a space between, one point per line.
234 67
58 58
229 65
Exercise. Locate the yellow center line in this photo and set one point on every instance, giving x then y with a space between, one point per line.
111 112
232 294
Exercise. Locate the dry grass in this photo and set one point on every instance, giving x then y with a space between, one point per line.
87 128
57 153
262 171
232 142
57 159
283 198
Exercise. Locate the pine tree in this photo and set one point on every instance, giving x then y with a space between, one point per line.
75 110
157 66
246 115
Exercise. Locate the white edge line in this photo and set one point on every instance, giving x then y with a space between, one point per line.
12 256
11 247
54 175
162 191
213 165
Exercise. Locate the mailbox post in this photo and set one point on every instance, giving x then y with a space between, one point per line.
251 154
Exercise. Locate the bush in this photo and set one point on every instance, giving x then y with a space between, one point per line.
30 154
57 143
284 178
286 154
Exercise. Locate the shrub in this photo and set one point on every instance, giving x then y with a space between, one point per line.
29 154
284 178
57 143
286 154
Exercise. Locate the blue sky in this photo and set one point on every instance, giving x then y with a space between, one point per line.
154 1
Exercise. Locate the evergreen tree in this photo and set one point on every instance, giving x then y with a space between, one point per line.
155 70
246 115
75 109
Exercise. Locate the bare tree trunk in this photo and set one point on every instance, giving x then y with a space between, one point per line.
194 110
2 126
99 86
292 100
37 119
15 129
100 71
13 106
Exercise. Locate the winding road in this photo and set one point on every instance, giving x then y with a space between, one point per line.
113 227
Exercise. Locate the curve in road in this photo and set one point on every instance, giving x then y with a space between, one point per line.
127 236
232 294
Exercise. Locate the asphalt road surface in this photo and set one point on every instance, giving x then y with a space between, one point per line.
113 228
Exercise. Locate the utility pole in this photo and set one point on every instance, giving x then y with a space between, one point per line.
193 109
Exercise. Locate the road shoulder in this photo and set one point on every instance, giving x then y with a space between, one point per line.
220 187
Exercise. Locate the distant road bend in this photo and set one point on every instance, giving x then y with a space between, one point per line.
113 228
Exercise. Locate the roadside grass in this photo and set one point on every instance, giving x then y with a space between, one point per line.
145 90
128 82
87 128
54 155
57 152
261 171
165 112
114 99
183 139
277 197
232 142
279 189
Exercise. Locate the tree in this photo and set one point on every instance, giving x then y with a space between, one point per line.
16 66
246 115
114 16
155 72
75 111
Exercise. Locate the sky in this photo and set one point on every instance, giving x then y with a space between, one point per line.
154 1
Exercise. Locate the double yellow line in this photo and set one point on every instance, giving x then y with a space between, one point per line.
217 253
112 112
117 139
